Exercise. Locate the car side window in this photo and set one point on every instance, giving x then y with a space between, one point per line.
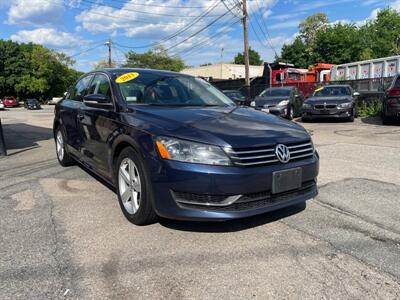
79 90
100 85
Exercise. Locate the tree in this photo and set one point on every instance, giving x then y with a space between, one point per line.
295 53
101 64
338 44
254 58
382 35
155 58
31 70
309 28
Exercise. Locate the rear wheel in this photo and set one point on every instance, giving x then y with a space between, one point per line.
386 120
134 193
62 154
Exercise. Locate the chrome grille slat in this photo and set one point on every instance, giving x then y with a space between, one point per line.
247 157
299 146
300 151
253 157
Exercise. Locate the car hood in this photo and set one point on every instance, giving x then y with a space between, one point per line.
331 100
223 126
261 101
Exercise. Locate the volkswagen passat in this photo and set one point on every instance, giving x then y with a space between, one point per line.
176 147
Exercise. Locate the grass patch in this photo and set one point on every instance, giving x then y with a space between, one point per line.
369 108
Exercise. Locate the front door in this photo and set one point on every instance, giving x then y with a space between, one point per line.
97 126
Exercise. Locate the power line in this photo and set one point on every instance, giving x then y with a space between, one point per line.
161 6
267 35
141 11
207 39
199 31
89 49
181 30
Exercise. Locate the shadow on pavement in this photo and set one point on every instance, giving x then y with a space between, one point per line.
233 225
372 120
323 120
20 135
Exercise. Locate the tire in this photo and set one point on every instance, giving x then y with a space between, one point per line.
386 120
290 112
305 120
61 151
134 195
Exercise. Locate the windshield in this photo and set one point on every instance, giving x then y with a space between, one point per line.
235 95
167 90
275 92
332 91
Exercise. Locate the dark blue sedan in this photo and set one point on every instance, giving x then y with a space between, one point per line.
174 146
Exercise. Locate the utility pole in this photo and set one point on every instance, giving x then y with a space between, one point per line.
245 20
109 43
3 149
222 59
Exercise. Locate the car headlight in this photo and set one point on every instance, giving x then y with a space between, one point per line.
191 152
253 103
283 103
307 105
345 105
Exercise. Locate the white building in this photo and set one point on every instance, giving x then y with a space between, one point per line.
224 71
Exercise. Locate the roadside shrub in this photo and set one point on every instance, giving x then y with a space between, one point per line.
369 108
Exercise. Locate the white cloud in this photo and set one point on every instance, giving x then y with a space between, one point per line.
49 37
35 12
285 25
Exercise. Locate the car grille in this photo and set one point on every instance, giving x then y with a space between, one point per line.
325 106
266 155
244 202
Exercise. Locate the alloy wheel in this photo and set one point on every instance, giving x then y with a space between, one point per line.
60 145
130 187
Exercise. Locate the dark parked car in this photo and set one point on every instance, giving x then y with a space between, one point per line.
32 104
282 101
391 102
238 97
10 101
173 145
331 101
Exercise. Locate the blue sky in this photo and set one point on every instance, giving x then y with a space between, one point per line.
81 27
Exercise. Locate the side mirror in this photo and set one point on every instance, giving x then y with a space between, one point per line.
97 100
356 94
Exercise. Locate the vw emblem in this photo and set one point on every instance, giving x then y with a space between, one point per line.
282 153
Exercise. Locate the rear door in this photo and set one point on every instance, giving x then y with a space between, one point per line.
69 112
97 124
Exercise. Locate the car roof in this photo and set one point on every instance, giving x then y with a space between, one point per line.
113 71
336 85
281 88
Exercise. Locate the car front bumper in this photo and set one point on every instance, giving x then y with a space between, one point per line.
249 188
327 113
280 111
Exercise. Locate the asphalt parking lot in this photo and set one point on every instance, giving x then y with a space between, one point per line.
63 235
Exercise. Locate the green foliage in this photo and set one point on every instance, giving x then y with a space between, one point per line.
369 108
156 58
254 58
338 44
29 70
319 41
295 52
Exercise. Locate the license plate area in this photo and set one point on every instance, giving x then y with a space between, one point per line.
286 180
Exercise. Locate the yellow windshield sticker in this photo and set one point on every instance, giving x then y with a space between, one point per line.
126 77
319 89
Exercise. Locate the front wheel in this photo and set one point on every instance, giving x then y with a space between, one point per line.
290 112
134 192
62 154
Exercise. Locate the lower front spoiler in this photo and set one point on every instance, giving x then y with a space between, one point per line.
204 214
